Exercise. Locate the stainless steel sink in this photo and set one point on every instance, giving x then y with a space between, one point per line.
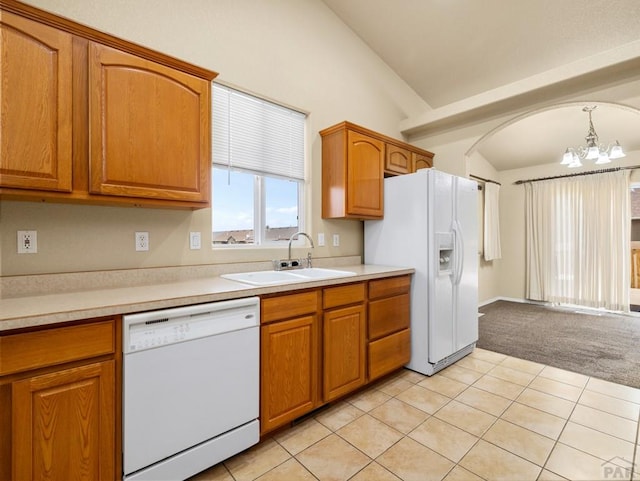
271 278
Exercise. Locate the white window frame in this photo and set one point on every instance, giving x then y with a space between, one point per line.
259 179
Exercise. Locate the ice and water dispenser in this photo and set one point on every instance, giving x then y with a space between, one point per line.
445 244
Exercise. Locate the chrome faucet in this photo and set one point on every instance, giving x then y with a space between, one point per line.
299 233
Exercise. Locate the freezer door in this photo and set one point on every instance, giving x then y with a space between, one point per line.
441 272
466 289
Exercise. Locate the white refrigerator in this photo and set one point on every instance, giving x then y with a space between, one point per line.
431 224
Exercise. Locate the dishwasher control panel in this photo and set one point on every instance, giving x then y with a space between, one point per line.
148 336
149 330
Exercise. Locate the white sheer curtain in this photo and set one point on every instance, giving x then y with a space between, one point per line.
578 240
491 222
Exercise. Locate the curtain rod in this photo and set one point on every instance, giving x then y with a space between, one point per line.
601 171
484 180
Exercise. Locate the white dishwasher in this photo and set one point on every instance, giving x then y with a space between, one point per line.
190 387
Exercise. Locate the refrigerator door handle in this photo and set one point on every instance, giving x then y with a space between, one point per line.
459 255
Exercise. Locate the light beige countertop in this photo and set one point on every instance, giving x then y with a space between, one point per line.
59 304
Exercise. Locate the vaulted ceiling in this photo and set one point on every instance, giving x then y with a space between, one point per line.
469 58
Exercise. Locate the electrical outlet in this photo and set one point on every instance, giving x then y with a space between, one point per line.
142 241
195 240
27 241
320 239
336 240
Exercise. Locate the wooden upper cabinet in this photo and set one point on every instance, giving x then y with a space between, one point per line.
364 175
35 144
352 173
421 161
397 160
90 118
149 128
354 162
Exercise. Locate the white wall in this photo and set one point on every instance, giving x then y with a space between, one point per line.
487 270
295 52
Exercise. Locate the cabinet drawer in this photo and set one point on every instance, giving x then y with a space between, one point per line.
343 295
31 350
389 287
389 353
287 306
388 315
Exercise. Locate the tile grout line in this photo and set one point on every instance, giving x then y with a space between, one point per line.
557 440
511 404
634 468
479 438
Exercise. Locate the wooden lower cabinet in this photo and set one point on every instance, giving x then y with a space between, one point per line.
389 319
389 353
344 341
64 424
289 370
289 357
59 403
321 344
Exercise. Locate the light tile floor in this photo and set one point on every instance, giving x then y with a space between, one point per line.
488 417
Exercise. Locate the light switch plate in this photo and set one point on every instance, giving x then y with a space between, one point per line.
320 239
195 240
142 241
336 240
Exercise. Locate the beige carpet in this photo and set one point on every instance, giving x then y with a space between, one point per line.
602 346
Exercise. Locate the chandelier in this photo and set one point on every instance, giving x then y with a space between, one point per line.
594 150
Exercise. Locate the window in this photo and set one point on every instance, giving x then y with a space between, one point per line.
258 170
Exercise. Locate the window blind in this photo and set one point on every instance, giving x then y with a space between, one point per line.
255 135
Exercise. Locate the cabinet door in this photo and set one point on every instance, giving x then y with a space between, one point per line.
397 160
289 371
420 161
344 351
149 129
64 424
35 119
364 175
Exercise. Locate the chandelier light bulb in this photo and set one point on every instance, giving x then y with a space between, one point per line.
575 164
592 153
603 158
567 158
616 151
